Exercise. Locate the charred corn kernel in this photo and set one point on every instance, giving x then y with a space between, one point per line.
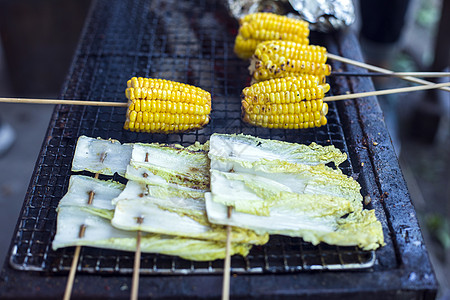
273 59
258 27
274 90
163 106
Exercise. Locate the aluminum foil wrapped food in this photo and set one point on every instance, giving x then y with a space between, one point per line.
323 15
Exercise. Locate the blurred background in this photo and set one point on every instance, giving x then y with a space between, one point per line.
38 40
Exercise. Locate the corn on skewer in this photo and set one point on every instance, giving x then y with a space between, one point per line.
121 104
154 105
158 105
288 102
246 117
274 59
274 109
258 27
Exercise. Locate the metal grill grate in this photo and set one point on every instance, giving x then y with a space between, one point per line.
187 41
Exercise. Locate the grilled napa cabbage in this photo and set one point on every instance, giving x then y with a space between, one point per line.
283 188
249 148
268 176
359 228
139 190
100 234
169 165
173 215
103 191
101 156
252 194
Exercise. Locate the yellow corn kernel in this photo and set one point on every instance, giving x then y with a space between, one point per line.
139 117
317 115
133 116
129 93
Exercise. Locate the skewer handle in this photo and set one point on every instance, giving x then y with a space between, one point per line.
394 74
61 101
76 255
136 268
388 91
73 268
227 263
378 69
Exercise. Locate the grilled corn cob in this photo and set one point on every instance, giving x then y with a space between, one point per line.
258 27
289 103
163 106
273 59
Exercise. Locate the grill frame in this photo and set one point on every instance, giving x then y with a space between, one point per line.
396 265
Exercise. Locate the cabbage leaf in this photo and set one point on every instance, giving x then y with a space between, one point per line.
80 187
100 234
250 148
101 156
169 165
176 216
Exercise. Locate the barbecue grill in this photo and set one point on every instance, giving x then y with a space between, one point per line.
192 42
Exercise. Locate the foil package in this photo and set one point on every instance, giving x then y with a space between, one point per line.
323 15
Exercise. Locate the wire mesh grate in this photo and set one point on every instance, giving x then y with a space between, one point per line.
193 44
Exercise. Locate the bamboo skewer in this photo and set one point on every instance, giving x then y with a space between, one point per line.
227 263
394 74
73 267
76 255
62 101
387 91
137 263
380 70
137 258
328 98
